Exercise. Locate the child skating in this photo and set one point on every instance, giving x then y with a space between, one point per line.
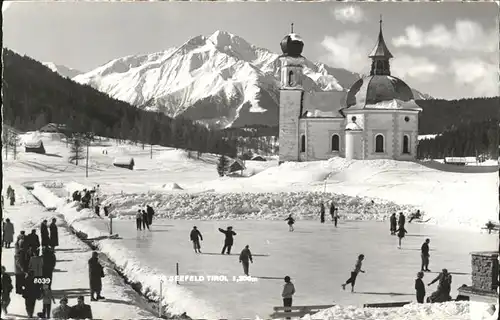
291 221
354 273
401 234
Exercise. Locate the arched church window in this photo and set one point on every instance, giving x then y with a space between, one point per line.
290 78
303 143
335 142
379 143
406 144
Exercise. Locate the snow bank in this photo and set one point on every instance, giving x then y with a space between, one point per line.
442 311
177 299
171 186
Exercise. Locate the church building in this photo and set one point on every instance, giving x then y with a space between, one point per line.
376 119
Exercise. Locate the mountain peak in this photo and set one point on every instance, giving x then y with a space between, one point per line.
223 39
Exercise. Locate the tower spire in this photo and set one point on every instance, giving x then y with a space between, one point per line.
292 27
380 55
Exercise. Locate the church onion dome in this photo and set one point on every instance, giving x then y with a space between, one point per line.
292 45
373 90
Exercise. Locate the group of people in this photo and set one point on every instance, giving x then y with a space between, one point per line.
144 218
334 213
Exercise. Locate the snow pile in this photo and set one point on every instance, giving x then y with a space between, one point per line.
171 186
177 299
442 311
271 206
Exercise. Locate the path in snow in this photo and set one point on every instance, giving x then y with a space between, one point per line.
317 257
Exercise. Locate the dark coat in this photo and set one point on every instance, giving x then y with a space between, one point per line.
332 210
290 220
61 312
246 255
31 290
425 249
44 234
32 241
80 312
195 235
54 235
150 211
96 272
6 284
420 287
401 220
49 263
401 232
229 236
393 223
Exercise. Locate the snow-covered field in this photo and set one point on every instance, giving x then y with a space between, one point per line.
464 198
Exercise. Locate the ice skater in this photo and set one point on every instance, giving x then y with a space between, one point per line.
145 222
228 241
354 273
393 222
195 236
287 294
420 287
332 209
416 215
322 213
401 234
291 221
401 220
245 259
150 212
138 219
425 255
336 217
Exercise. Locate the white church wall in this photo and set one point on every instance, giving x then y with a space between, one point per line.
319 133
379 123
289 139
409 128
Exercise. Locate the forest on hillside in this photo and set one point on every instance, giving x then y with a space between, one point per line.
34 95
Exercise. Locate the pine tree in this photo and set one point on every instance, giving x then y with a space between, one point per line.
222 165
76 150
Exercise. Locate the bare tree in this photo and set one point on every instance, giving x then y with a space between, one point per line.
14 142
77 148
6 141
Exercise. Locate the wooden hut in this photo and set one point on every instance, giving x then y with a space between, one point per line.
35 146
258 158
127 163
236 165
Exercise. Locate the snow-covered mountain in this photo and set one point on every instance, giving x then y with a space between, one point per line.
221 79
62 70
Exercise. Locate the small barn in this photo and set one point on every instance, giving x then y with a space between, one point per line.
258 158
35 146
127 163
236 165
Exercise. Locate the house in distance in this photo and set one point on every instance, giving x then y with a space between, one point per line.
34 146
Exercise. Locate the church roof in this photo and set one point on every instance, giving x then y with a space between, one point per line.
370 93
380 50
323 104
292 45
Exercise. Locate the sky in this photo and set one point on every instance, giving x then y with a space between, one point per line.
448 50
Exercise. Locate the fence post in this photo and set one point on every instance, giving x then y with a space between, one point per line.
177 270
159 302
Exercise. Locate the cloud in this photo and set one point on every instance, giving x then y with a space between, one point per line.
420 68
466 36
5 5
347 50
349 14
480 76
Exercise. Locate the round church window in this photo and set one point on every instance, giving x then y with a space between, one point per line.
407 119
353 118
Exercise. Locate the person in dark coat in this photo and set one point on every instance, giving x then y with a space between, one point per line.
6 290
31 293
33 242
80 310
420 287
62 311
291 221
7 233
442 294
425 255
401 234
138 220
44 234
106 210
96 273
150 213
393 221
195 236
322 213
401 220
12 197
245 259
20 270
228 241
145 222
49 263
54 234
97 208
332 210
416 215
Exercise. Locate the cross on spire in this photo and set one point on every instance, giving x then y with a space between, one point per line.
292 27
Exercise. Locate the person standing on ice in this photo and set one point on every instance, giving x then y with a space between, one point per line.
44 234
54 234
228 241
322 213
355 272
420 287
96 273
245 259
401 234
138 219
291 221
8 233
97 207
145 222
393 222
288 292
6 290
425 255
195 236
150 212
12 197
401 220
